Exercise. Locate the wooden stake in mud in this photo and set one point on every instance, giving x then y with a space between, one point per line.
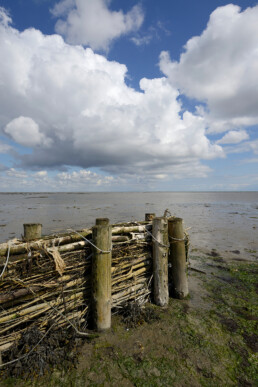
160 260
102 222
101 277
177 275
149 217
32 231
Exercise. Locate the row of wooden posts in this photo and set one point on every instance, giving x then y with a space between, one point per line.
169 263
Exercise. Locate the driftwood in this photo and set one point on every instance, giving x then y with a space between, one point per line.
20 247
81 244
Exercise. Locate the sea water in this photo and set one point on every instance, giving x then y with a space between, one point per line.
221 220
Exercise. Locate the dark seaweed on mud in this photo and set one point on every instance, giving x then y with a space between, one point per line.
58 349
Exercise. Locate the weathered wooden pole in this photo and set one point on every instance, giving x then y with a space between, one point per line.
101 277
102 222
149 217
177 275
160 260
32 231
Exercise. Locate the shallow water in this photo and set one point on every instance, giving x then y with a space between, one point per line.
226 221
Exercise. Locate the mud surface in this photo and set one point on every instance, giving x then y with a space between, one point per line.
209 339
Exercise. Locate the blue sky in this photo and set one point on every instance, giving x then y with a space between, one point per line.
101 95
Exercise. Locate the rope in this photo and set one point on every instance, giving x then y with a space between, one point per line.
167 213
156 240
7 259
92 244
178 239
161 244
153 237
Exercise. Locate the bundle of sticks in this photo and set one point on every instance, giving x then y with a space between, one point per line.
49 280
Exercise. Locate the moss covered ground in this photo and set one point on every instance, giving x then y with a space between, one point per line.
210 339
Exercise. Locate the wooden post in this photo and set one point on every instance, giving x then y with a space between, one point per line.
32 231
101 277
102 222
149 217
160 260
177 275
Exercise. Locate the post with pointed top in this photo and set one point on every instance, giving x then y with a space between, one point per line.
177 275
160 260
101 275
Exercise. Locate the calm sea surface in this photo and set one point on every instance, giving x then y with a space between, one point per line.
221 220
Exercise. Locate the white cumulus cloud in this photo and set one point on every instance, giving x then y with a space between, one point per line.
92 23
25 131
73 108
220 68
234 137
5 19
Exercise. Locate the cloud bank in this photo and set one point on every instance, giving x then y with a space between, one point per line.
73 108
13 179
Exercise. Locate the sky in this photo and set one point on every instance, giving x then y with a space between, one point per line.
128 95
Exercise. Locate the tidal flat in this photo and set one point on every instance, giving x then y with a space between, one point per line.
226 221
209 339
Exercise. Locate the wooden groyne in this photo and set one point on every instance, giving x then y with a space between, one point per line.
81 276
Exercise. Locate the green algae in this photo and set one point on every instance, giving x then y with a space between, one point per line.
211 343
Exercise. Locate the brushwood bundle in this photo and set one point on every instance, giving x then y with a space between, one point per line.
49 279
65 281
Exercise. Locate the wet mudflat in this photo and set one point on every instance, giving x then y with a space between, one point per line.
209 339
221 220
